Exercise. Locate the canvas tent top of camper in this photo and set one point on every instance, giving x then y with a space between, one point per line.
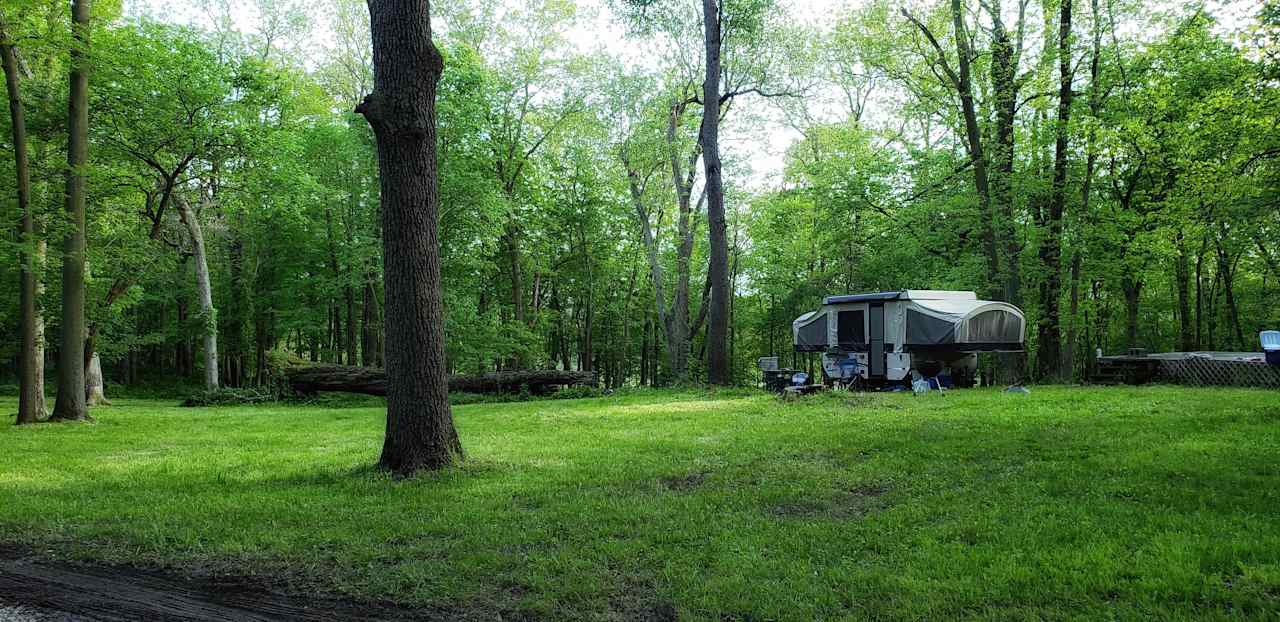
911 320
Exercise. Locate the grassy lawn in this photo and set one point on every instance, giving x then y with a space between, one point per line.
1094 503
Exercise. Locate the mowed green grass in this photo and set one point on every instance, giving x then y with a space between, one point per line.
1093 503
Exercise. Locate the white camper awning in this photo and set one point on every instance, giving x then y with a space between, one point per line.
809 331
958 321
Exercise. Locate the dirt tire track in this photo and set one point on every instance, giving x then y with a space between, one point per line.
121 593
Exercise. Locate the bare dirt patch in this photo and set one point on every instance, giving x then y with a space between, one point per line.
681 483
638 601
75 591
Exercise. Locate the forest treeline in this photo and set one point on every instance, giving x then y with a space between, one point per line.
1111 168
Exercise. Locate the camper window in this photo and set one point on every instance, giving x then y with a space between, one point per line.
850 328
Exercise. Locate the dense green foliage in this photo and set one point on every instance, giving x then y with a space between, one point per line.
556 160
1066 503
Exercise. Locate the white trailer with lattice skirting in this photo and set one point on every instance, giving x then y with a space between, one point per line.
882 337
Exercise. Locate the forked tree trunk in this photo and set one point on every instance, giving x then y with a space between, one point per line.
718 326
407 67
204 288
1227 268
30 393
70 403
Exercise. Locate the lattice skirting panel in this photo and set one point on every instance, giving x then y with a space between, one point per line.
1205 372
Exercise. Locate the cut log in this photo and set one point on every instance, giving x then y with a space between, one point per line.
373 381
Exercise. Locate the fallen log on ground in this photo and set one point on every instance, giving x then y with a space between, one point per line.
311 379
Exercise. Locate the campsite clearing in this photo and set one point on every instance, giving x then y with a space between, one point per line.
1152 502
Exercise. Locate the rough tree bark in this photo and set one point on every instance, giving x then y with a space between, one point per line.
30 402
70 402
401 109
718 325
204 288
1049 356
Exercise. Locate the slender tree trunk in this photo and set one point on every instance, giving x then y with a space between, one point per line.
1005 90
624 371
1049 357
182 349
1132 295
1211 324
29 392
1182 272
407 67
70 403
349 294
1227 270
1086 191
1069 348
656 272
644 352
679 335
718 326
653 355
514 260
1004 87
733 331
204 289
1200 298
233 337
41 253
368 324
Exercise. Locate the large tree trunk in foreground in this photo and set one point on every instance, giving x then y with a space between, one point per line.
718 326
401 110
373 381
204 288
31 391
70 403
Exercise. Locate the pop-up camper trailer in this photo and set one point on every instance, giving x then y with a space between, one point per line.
882 337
